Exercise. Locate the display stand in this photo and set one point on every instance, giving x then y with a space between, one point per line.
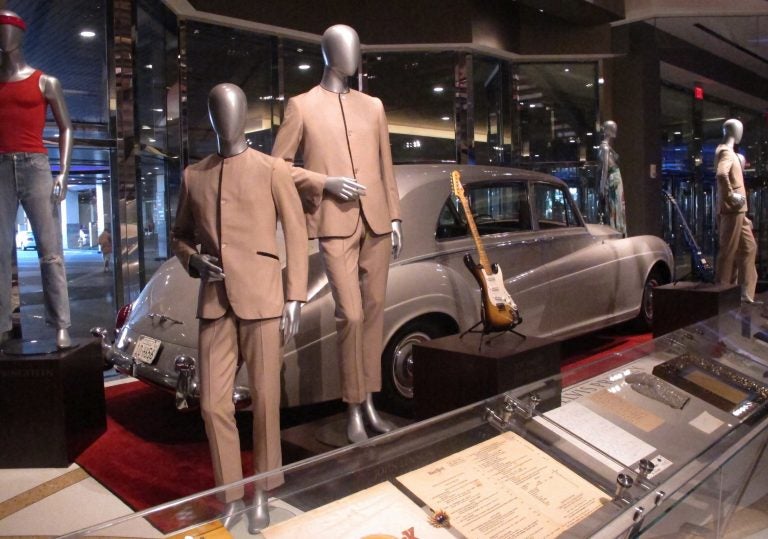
51 402
683 303
454 371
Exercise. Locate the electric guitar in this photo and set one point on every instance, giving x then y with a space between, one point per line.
701 266
500 312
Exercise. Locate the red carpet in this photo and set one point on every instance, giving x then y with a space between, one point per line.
152 454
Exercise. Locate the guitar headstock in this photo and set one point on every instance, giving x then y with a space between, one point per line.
456 186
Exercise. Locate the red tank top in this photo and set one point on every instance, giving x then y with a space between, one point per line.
22 115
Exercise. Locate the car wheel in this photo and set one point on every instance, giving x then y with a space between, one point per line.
645 318
397 364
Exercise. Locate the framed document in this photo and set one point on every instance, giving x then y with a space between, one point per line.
713 382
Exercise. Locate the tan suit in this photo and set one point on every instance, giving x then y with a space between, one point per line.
347 135
736 257
230 207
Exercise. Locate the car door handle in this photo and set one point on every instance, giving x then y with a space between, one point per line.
164 318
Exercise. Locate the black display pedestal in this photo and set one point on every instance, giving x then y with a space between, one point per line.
451 372
51 402
683 303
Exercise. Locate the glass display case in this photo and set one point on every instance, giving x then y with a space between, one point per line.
665 439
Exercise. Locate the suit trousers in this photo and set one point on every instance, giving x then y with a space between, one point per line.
736 258
357 268
258 343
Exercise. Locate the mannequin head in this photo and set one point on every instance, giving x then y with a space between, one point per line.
610 129
733 129
228 111
12 30
341 49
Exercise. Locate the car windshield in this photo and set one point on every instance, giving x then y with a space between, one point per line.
496 207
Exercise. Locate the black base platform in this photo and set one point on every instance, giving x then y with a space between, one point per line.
452 371
51 403
683 303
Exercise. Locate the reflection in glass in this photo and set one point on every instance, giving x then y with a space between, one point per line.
417 90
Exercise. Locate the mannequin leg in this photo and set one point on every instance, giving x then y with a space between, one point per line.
355 425
218 362
258 513
377 423
745 262
33 181
730 228
8 207
62 339
233 513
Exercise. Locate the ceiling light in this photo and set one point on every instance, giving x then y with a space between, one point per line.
145 127
445 118
438 89
601 80
87 34
148 66
158 110
299 50
151 140
567 69
304 67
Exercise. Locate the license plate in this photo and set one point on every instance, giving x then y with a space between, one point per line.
146 349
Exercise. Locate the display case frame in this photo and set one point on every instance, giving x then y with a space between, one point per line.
641 491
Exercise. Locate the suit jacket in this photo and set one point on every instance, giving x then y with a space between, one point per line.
340 135
730 178
230 206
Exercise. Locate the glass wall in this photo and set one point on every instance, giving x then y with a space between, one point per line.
67 39
418 91
691 129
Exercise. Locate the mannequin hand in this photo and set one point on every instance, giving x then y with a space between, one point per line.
344 188
737 198
397 239
206 266
289 323
59 191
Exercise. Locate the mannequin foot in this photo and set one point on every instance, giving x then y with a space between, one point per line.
258 514
62 339
355 426
377 423
233 512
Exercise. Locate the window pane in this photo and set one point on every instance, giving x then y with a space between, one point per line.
417 90
553 208
495 208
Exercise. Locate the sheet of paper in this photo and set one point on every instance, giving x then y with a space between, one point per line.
706 422
629 412
505 487
601 433
381 511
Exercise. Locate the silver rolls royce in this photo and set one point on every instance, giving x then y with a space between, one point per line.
567 278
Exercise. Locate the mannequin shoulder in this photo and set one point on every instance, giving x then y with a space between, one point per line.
50 85
207 163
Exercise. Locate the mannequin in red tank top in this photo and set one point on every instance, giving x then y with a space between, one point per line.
25 93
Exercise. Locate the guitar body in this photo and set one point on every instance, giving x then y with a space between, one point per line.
499 311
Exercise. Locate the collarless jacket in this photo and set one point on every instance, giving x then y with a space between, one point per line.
730 179
230 207
340 135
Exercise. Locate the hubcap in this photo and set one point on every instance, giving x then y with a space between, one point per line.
402 363
648 298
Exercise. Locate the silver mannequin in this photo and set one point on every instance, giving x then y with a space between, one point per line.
340 45
733 130
228 112
14 68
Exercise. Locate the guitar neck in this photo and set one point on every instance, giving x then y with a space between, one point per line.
481 254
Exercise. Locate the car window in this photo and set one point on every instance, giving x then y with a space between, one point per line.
553 207
496 208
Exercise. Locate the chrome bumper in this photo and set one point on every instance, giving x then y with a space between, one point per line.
182 383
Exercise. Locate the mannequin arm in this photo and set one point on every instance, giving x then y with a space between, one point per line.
289 323
397 239
344 188
55 97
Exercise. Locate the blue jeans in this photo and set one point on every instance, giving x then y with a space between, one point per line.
26 178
